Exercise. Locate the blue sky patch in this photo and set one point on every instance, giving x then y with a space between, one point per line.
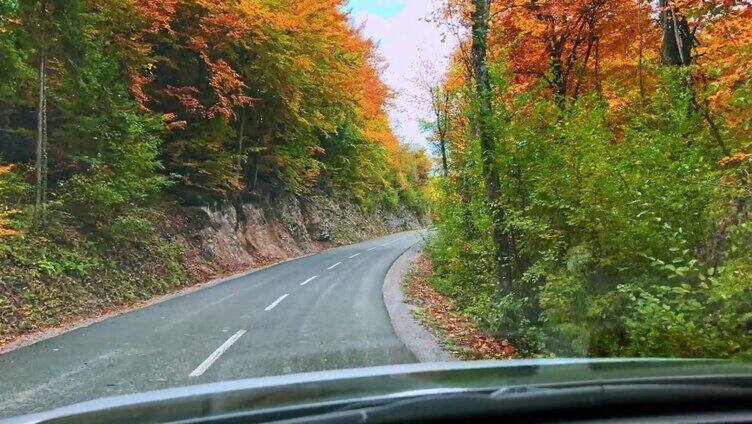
384 8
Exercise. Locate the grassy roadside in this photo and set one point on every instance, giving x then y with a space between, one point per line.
455 331
62 275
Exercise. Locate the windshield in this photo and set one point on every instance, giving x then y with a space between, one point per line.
201 191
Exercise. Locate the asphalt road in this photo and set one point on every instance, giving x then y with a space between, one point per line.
279 320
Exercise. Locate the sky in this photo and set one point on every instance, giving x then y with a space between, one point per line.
406 41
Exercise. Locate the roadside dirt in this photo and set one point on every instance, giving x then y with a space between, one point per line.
456 332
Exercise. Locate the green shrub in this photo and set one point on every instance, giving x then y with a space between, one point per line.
130 228
126 178
618 232
390 198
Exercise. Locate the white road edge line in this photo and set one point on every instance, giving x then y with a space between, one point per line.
309 280
276 302
334 266
216 354
353 256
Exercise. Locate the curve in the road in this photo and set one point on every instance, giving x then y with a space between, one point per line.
319 312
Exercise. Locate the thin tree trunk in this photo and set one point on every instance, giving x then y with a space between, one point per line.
500 236
598 83
255 171
440 108
41 148
444 162
241 138
45 134
559 82
640 60
583 68
714 130
442 119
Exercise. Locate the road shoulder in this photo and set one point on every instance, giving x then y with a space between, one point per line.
418 340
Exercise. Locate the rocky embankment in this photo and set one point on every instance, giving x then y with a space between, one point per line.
273 229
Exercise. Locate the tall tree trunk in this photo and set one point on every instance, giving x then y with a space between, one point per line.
677 41
440 108
500 236
41 148
676 50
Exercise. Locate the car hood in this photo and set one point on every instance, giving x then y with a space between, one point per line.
353 385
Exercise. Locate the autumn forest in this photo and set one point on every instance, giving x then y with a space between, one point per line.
589 178
595 198
115 114
204 100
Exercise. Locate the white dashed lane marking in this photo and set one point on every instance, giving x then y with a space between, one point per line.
309 280
276 302
201 369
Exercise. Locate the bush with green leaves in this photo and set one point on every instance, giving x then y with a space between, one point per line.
629 238
124 178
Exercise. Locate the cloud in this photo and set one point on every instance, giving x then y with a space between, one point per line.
406 41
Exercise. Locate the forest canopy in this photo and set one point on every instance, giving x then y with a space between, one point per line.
109 105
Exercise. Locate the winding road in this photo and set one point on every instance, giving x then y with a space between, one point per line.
319 312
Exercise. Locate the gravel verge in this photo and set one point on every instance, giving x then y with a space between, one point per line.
409 330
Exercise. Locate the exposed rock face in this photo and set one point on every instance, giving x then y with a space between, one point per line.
230 237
